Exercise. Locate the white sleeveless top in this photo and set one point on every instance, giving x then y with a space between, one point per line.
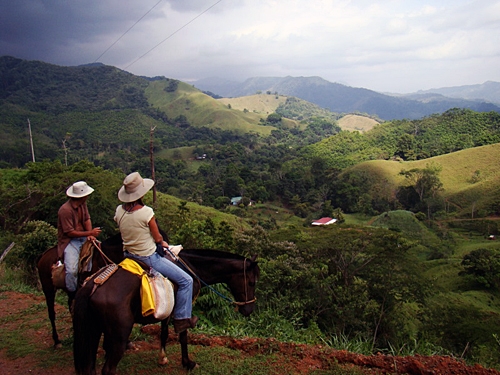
134 228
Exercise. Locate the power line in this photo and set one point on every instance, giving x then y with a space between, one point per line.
130 28
175 32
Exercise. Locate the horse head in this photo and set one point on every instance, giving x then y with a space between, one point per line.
243 288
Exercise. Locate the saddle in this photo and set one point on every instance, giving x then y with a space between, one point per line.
84 265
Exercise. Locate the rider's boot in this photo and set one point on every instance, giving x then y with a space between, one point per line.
180 325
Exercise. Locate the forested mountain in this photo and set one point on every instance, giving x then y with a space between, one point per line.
341 98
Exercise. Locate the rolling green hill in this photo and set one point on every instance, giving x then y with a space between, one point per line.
357 123
470 177
262 104
295 112
101 110
200 109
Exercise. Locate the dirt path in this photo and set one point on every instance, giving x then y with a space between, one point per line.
292 358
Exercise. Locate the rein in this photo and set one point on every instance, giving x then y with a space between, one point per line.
230 300
106 258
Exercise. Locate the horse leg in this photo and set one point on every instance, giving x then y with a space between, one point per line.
115 344
186 362
50 299
114 354
162 358
95 337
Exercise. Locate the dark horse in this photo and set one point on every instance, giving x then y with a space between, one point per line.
113 308
49 257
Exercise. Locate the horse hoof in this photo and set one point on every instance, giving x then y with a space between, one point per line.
131 346
191 365
163 361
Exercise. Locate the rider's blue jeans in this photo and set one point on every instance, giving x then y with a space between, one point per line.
71 258
184 298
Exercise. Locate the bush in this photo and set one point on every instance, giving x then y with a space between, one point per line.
38 236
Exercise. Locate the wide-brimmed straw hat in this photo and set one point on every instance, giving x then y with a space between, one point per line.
134 187
79 189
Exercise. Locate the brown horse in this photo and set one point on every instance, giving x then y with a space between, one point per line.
113 248
113 307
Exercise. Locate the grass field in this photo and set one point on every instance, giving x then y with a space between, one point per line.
201 109
357 123
262 104
471 177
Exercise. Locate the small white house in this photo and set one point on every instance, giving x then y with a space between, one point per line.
236 200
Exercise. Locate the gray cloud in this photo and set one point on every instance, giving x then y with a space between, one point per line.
389 45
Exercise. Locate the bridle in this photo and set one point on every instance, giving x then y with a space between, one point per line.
246 287
237 303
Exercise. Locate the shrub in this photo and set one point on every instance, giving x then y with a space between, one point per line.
38 236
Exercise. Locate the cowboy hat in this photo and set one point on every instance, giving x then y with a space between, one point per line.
79 189
134 187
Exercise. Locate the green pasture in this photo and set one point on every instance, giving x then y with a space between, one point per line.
201 109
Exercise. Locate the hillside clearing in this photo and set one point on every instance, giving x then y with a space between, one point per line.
357 123
260 103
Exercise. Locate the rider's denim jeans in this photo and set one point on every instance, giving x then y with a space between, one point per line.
71 258
183 303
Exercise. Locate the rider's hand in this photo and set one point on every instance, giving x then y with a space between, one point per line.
94 233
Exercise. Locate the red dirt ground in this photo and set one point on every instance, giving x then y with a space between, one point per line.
296 358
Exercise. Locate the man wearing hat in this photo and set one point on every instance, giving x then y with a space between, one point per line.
141 236
73 229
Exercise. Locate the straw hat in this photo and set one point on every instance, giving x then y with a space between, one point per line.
79 189
134 187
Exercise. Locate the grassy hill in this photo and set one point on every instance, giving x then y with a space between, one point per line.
356 123
262 104
201 109
470 177
298 109
100 111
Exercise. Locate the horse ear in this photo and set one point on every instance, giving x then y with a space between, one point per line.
254 258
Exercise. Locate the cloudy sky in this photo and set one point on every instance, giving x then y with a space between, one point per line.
397 46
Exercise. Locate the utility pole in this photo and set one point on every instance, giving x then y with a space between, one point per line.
65 152
31 142
151 157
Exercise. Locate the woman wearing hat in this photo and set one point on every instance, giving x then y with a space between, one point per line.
73 229
141 236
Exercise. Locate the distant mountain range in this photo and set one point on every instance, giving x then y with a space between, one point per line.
488 91
345 99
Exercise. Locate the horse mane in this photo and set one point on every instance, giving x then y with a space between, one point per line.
114 240
204 253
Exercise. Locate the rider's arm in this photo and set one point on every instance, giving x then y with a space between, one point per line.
155 232
84 233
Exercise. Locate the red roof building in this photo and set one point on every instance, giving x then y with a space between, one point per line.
324 221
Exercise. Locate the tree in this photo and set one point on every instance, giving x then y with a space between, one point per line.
406 147
426 183
274 118
327 209
483 266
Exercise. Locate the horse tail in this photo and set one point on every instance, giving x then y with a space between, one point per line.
85 334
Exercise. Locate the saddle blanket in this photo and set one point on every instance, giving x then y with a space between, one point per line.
157 292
